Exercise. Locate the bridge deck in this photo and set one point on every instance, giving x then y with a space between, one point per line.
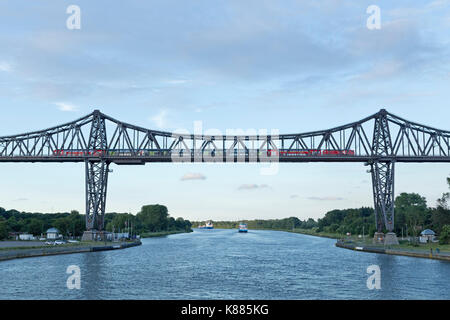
130 160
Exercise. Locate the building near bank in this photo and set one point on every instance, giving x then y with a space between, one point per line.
53 234
26 237
427 235
121 236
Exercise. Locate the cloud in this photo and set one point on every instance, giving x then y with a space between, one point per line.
22 199
160 120
294 196
176 81
5 67
325 198
193 176
220 43
66 107
252 186
382 70
438 3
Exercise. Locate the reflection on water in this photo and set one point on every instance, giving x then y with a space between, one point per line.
225 264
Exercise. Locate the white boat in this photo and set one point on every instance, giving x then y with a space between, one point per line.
243 227
208 225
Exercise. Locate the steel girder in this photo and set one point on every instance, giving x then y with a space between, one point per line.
383 174
96 176
96 188
383 194
410 142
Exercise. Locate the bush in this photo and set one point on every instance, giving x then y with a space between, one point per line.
3 230
444 237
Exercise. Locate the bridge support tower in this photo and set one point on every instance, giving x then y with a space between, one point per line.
96 190
96 181
383 181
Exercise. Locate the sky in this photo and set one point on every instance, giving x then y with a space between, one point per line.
291 66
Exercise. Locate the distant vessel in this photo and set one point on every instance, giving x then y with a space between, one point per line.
209 225
243 227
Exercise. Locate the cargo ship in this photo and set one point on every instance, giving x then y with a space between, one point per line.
243 227
209 225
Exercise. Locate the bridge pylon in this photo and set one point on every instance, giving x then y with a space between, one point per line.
96 189
383 195
383 174
96 178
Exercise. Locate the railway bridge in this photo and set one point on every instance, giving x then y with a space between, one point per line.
379 141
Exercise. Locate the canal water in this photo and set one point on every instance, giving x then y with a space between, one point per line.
224 264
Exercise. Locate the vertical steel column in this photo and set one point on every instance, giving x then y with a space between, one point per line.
96 189
383 174
383 194
97 170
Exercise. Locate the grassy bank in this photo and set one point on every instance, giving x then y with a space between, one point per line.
424 246
29 252
162 233
313 232
403 246
66 245
406 246
397 250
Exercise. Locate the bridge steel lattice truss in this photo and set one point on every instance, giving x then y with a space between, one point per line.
379 141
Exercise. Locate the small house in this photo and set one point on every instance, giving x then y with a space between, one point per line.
121 236
26 237
53 234
427 235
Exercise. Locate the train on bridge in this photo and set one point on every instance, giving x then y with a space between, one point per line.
167 152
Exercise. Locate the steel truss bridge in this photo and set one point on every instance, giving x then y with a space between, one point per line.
378 141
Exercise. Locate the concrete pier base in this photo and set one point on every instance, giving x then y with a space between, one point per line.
91 235
390 239
378 237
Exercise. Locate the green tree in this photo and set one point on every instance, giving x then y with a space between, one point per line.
13 224
75 223
444 236
35 227
440 218
4 229
411 209
171 224
309 224
154 217
441 215
63 225
121 221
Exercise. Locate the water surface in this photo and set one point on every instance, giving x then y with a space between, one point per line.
225 264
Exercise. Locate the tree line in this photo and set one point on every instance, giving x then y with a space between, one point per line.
151 218
273 224
411 216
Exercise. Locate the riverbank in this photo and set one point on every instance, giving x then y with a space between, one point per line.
27 252
312 232
395 250
422 251
163 233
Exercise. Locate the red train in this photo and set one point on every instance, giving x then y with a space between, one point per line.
97 153
309 152
78 153
270 152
